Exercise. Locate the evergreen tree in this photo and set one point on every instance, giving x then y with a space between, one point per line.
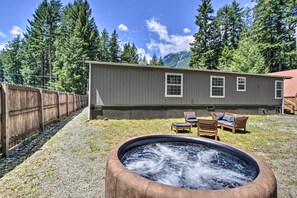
204 49
1 68
229 19
226 58
79 41
143 60
129 54
12 62
103 47
40 36
274 33
114 47
290 51
154 60
248 58
160 61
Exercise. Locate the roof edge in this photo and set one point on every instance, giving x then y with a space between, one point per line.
182 69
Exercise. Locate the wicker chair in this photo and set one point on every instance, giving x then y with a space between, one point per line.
208 127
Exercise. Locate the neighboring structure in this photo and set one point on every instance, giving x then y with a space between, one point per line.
290 85
127 91
290 90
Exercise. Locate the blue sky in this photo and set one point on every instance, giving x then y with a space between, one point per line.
155 26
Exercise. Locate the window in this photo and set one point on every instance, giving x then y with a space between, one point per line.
241 83
173 85
278 89
217 86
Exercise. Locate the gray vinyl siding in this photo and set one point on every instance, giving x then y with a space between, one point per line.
133 86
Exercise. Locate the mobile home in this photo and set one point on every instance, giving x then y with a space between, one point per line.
129 91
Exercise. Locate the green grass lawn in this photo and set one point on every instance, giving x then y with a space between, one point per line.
271 137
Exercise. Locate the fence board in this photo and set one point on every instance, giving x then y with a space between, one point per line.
24 108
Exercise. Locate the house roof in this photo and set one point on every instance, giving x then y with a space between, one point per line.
290 85
184 69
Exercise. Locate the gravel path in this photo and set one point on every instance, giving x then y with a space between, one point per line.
70 164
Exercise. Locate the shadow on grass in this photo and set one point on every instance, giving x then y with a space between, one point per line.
30 145
237 131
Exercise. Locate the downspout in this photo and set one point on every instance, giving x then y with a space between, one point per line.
283 96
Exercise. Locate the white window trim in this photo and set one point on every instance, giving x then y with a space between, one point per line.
240 84
182 85
211 77
275 89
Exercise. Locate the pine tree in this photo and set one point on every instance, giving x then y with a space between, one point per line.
79 41
129 54
143 60
103 54
154 60
226 58
230 20
248 58
160 61
40 36
204 49
114 47
12 62
270 30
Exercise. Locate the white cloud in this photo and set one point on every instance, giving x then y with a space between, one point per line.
250 5
2 34
142 53
2 46
186 30
16 30
123 27
167 43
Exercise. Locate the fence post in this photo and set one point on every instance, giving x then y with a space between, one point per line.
67 97
58 101
40 110
5 116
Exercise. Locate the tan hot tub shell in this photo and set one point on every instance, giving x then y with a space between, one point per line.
121 182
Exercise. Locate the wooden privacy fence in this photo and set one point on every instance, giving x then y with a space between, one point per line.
24 110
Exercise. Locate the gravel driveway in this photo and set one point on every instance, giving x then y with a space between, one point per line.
70 164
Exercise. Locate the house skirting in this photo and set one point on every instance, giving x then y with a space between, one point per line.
151 112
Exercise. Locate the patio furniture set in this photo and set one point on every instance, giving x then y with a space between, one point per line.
209 127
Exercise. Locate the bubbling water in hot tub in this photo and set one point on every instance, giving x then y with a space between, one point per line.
189 165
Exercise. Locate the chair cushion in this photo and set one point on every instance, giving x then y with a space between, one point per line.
191 116
191 120
181 124
228 118
229 123
222 121
219 116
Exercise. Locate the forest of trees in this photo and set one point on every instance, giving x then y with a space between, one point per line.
257 40
58 40
56 44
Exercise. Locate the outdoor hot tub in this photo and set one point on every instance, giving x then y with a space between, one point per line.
179 166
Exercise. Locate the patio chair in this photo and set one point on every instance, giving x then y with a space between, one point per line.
208 127
190 117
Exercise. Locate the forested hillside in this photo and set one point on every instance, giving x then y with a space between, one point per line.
58 39
257 40
56 43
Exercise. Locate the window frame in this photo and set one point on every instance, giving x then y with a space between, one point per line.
211 95
181 85
276 89
237 83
